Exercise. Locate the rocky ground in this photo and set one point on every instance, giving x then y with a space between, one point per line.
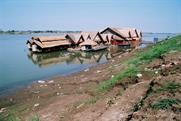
163 100
155 94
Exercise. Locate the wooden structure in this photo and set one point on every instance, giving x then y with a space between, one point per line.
48 43
125 36
75 39
29 44
87 41
95 36
93 43
87 45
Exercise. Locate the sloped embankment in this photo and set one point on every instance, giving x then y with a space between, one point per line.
163 101
156 96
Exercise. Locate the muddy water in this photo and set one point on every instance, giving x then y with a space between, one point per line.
20 67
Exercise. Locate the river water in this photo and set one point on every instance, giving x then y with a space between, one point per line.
20 67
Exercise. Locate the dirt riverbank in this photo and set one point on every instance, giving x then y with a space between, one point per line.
64 96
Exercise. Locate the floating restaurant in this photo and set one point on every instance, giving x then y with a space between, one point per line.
48 43
123 37
87 41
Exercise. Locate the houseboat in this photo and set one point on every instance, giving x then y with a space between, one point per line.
75 39
90 45
87 41
48 43
123 36
93 42
29 44
98 38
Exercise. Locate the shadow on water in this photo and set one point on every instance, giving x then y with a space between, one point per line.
65 57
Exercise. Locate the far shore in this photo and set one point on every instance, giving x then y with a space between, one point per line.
18 32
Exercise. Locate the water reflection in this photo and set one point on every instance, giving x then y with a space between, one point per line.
64 57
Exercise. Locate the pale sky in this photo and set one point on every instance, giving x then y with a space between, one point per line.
91 15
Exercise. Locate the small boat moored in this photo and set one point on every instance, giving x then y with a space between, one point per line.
91 46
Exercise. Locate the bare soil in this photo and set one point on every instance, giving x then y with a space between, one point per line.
169 72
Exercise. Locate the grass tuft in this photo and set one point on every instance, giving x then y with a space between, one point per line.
165 103
9 117
168 87
131 72
36 118
12 117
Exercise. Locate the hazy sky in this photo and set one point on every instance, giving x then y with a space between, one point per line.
147 15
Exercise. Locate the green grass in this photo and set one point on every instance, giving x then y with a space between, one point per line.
86 102
36 118
12 117
130 72
5 103
165 103
91 101
9 117
132 65
169 87
156 51
162 104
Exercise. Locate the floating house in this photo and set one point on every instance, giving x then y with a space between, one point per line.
106 38
93 42
95 36
124 36
88 45
29 44
87 41
48 43
75 39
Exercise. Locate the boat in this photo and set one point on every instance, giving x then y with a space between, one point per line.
95 48
77 49
48 43
130 37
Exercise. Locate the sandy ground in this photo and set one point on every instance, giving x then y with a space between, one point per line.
75 97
